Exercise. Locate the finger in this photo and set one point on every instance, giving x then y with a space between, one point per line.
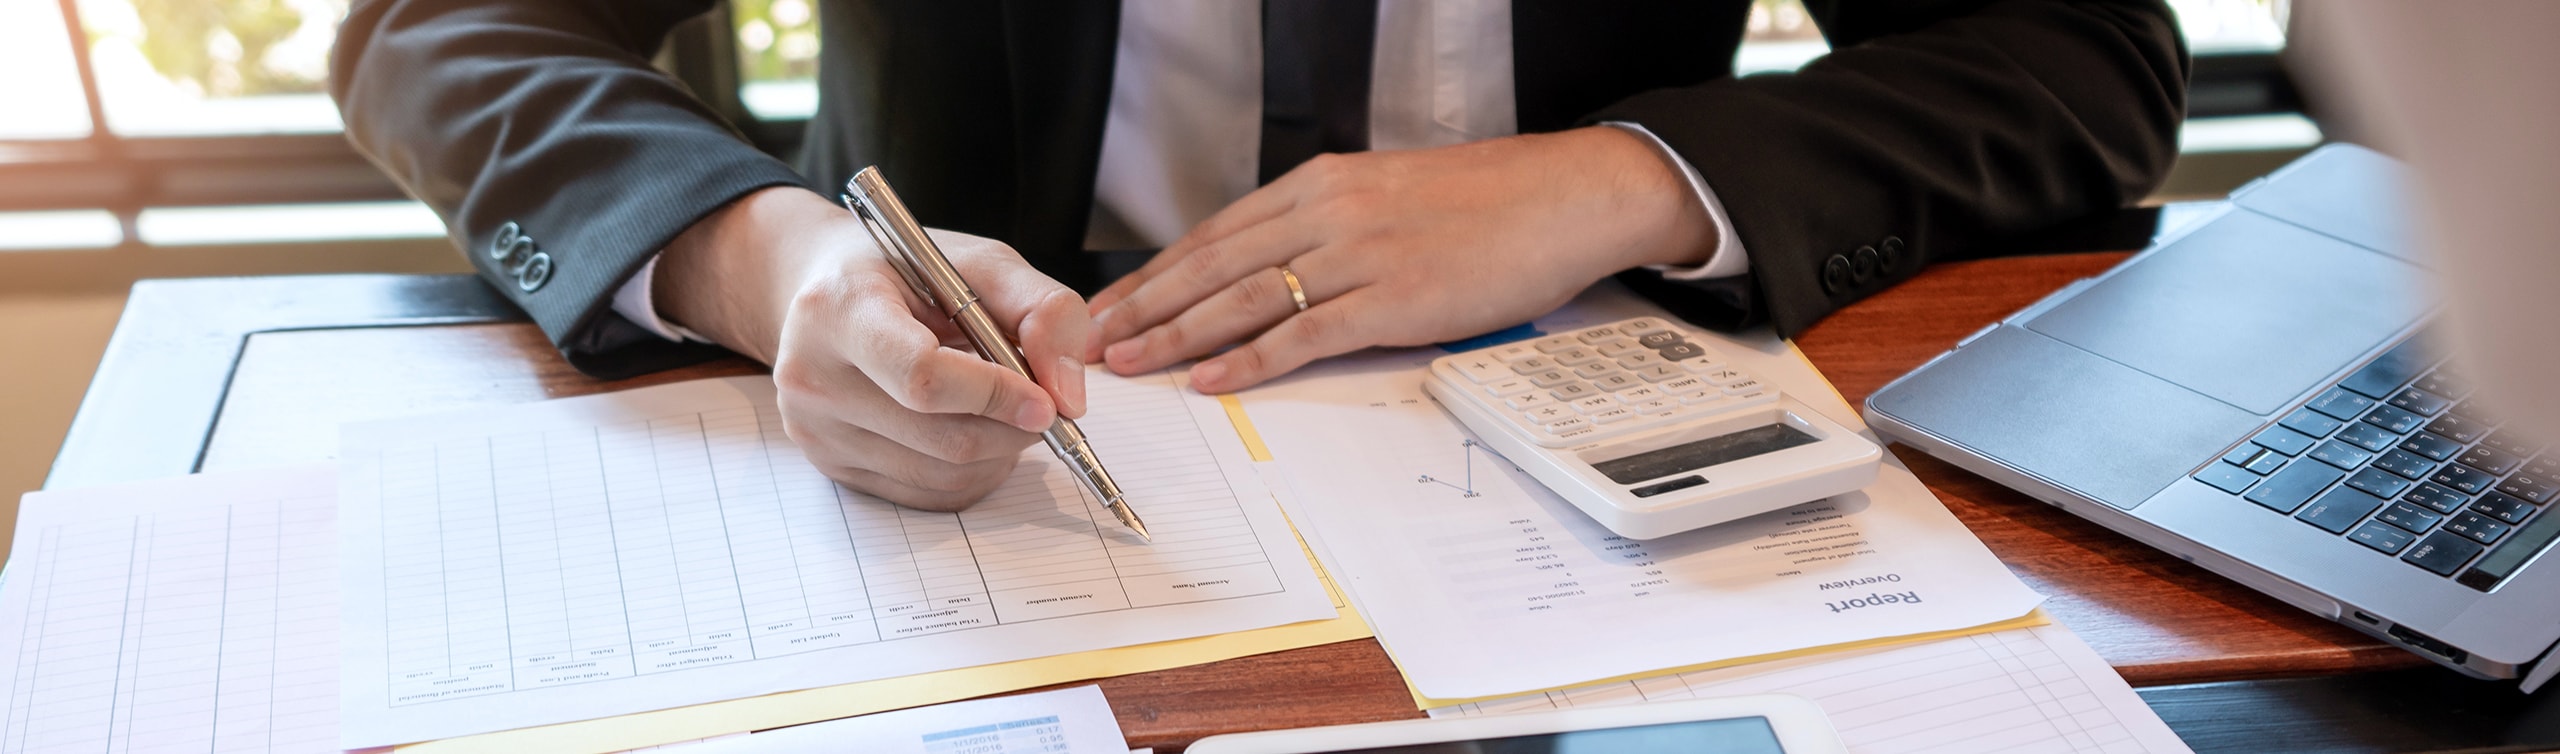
908 363
1254 208
1249 306
1044 316
1203 273
1339 326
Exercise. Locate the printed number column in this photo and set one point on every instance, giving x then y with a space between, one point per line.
714 614
829 570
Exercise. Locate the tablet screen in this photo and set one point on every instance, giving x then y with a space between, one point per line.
1739 735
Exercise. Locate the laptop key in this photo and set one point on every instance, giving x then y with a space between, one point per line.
2289 489
2476 527
2443 382
2504 507
2339 509
2228 478
2456 427
2394 419
2241 456
2340 454
2462 478
2491 460
2284 441
2420 402
2390 540
2510 443
2266 464
2389 372
2413 518
2436 498
2434 447
2380 483
2405 463
2311 423
2341 404
2530 487
2441 553
2369 437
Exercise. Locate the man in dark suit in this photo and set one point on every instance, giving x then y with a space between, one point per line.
641 232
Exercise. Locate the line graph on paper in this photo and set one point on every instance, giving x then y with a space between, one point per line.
1465 484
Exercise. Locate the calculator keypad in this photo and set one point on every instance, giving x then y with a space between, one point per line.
1610 380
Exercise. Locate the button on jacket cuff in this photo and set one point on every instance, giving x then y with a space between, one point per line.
1729 259
634 302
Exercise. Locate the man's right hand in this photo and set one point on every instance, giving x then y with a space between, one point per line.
877 387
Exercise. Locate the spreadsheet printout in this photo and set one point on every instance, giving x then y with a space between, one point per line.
2024 689
1066 721
1469 569
669 546
190 614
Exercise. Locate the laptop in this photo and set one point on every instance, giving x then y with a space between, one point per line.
2257 393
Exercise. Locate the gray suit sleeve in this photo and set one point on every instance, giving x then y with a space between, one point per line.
541 120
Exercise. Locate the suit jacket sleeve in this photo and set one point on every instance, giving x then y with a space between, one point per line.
1932 128
543 117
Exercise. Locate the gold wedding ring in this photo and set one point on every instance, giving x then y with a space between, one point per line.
1297 294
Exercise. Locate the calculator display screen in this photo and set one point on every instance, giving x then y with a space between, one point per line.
1654 464
1739 735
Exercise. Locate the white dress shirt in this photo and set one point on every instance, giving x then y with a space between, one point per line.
1184 135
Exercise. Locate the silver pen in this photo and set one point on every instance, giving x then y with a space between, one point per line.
939 284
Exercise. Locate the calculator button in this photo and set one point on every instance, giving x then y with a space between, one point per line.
1613 416
1705 397
1658 339
1554 344
1702 365
1726 376
1594 369
1620 347
1549 414
1567 424
1573 391
1679 351
1639 360
1575 433
1526 401
1513 386
1616 381
1761 395
1639 393
1639 326
1576 356
1683 385
1482 369
1532 365
1514 352
1595 403
1550 378
1598 334
1654 406
1659 372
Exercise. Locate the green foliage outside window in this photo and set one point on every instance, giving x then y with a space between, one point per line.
221 46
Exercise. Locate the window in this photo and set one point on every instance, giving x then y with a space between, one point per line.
213 67
44 82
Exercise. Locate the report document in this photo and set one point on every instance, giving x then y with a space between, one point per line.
669 546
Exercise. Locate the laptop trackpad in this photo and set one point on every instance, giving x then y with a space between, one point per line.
2079 421
2248 310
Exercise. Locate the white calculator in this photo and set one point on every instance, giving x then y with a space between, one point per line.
1649 430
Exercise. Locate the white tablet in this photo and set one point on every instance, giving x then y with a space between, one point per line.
1763 724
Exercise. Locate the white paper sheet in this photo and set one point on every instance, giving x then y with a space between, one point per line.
668 546
2025 689
1066 721
188 614
1481 582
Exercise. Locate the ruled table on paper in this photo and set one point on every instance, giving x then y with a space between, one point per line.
668 546
189 614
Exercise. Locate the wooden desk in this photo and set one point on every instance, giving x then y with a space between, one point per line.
313 352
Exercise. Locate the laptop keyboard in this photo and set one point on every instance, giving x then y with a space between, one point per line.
2394 459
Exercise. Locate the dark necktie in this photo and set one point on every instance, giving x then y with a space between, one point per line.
1315 79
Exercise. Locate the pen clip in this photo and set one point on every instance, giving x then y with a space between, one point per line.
900 257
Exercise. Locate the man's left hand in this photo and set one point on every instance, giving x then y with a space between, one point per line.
1400 248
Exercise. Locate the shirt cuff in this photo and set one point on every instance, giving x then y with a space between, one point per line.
1729 259
633 302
